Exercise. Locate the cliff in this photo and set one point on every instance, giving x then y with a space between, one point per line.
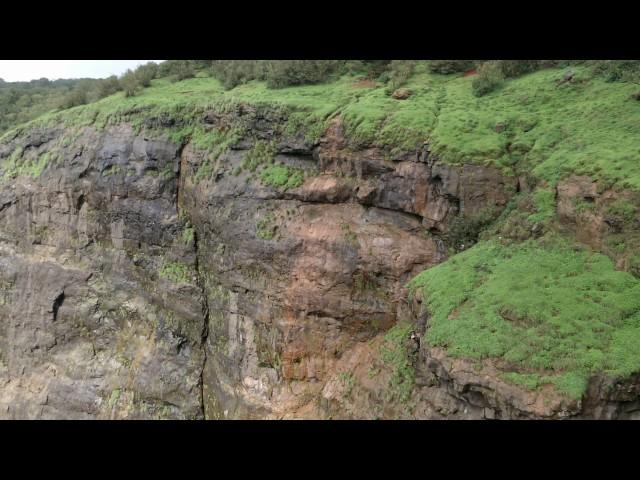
221 263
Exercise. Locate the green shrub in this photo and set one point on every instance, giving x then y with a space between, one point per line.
399 72
464 231
284 73
145 73
395 354
489 78
237 72
266 227
446 67
188 235
634 266
371 69
130 84
185 70
261 153
178 69
176 272
277 73
622 209
515 68
108 87
77 96
618 70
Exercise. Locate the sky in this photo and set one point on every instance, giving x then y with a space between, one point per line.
25 70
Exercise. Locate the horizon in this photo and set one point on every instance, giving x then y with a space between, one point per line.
28 70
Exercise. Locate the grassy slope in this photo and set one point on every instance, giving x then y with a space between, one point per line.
553 313
585 127
588 127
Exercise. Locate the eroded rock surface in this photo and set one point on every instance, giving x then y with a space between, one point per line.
132 288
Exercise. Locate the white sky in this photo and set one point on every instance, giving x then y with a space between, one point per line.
25 70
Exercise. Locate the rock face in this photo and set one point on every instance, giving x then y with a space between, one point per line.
88 326
131 288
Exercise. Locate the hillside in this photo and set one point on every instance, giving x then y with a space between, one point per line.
347 248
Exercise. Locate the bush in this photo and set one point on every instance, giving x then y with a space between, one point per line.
184 69
77 96
145 73
618 70
515 68
446 67
399 72
634 266
277 73
490 77
108 86
180 69
237 72
133 81
372 68
129 83
465 231
283 73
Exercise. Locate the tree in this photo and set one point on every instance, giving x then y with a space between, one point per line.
184 69
446 67
282 73
129 83
146 73
108 86
77 96
489 77
399 73
177 69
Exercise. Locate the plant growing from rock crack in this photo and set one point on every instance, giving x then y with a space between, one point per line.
282 177
350 235
176 272
395 355
348 381
266 227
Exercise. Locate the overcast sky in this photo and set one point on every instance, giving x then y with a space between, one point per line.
25 70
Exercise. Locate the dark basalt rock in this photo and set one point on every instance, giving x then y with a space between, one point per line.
129 289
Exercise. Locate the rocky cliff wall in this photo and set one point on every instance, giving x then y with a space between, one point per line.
133 286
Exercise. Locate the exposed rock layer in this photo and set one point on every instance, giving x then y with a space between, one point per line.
130 290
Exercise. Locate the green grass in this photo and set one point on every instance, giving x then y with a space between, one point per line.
588 126
622 209
282 177
348 382
188 235
545 308
545 205
266 227
526 380
114 397
176 272
17 166
262 153
394 354
114 170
